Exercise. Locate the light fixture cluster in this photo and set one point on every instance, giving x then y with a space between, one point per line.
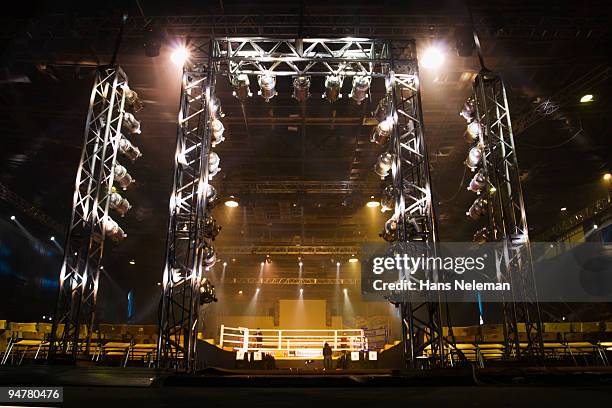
122 179
301 87
474 136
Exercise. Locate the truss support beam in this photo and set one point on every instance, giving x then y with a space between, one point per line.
84 247
507 217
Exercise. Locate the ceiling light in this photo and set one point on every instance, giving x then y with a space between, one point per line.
353 259
563 208
333 85
301 290
13 218
586 98
240 292
267 84
210 256
389 233
372 203
179 56
337 263
301 263
263 263
432 58
607 177
594 226
132 262
231 202
257 290
301 88
345 291
361 85
52 238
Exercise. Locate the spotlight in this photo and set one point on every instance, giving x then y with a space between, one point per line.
13 218
595 226
372 203
389 233
481 236
301 263
179 56
132 262
301 88
211 196
383 131
210 228
477 209
361 85
474 132
474 157
257 290
333 85
240 83
240 292
387 201
122 177
214 106
130 123
153 37
267 83
383 110
231 202
132 99
337 263
432 58
383 165
353 259
113 230
224 263
345 291
119 204
127 149
478 182
607 177
262 263
563 208
468 112
217 129
586 98
207 292
52 238
213 164
210 256
301 291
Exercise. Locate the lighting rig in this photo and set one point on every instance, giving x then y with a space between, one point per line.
111 111
499 202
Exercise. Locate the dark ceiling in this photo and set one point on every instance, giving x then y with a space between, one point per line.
548 52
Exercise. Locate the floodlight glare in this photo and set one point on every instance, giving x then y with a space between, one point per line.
179 56
267 85
373 203
432 58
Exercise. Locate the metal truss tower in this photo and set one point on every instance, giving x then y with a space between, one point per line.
89 224
268 58
506 216
186 243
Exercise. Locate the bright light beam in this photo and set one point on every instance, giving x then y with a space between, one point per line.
432 58
179 56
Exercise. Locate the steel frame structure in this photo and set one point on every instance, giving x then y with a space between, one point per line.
183 270
507 221
84 247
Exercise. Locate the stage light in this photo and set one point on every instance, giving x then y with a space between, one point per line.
383 110
389 233
52 238
301 88
231 202
13 218
113 230
595 226
132 99
353 259
267 84
213 164
468 111
481 236
586 98
210 256
211 196
474 157
383 165
127 149
179 56
383 131
130 123
607 177
240 83
263 263
257 290
215 109
432 58
240 292
333 85
387 201
337 263
207 292
210 228
122 177
132 262
492 190
478 182
217 129
301 291
361 85
372 203
477 209
301 263
224 263
563 208
474 132
119 204
345 291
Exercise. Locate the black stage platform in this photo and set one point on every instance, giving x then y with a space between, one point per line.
137 387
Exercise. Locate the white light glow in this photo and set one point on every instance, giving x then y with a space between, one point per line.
586 98
432 58
179 56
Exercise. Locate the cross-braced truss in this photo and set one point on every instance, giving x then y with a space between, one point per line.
78 283
507 217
